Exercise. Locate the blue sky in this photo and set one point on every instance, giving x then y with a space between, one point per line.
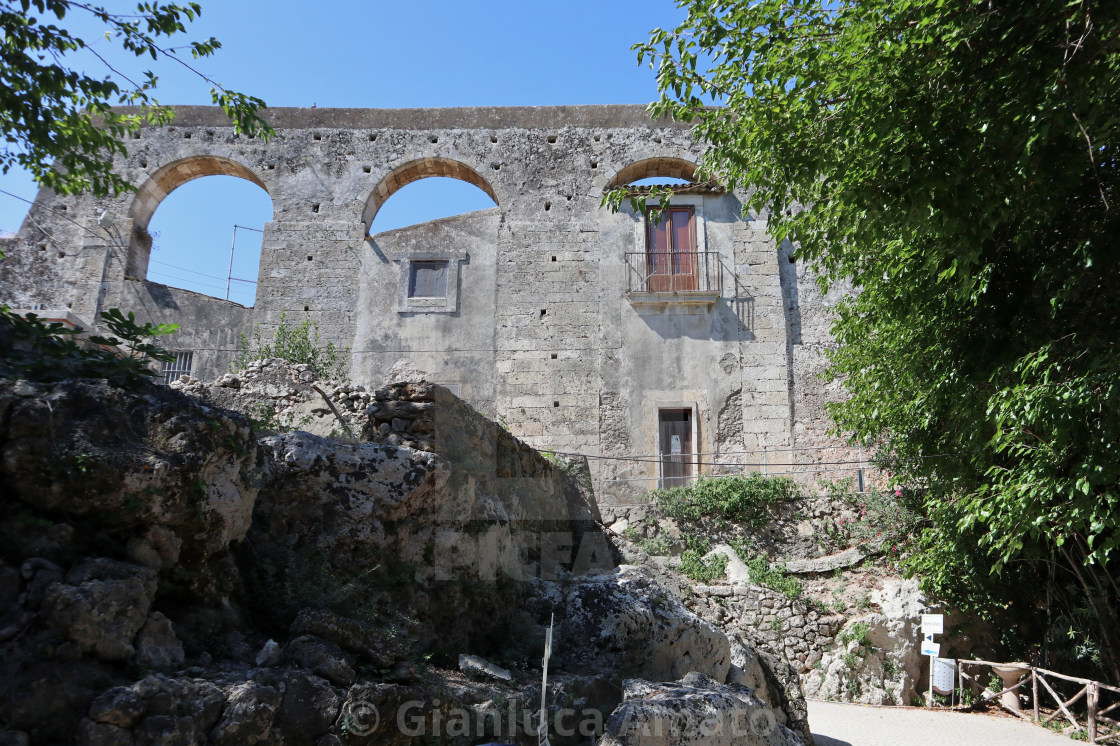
381 55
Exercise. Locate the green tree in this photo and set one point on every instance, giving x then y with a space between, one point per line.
59 122
955 162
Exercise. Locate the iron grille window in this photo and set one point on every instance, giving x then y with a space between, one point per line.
172 370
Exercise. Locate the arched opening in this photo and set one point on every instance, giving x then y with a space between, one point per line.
655 171
197 225
445 188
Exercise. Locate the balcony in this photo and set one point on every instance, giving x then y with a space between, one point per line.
668 281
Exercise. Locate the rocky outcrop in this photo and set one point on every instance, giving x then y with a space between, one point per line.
694 710
101 607
177 477
877 659
625 622
294 581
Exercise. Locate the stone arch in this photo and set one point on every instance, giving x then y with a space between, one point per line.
162 182
421 168
673 168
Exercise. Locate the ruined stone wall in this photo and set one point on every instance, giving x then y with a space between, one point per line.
537 328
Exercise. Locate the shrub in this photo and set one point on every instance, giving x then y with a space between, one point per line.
41 351
695 566
743 499
775 577
298 345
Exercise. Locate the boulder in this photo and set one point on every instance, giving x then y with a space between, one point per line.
624 621
248 715
156 644
472 664
359 638
130 460
102 606
308 710
323 658
695 710
120 706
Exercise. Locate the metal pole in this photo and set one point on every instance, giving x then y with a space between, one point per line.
542 729
859 474
930 701
764 460
229 275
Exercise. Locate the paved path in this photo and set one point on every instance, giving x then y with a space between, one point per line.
835 724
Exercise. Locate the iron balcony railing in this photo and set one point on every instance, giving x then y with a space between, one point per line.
693 272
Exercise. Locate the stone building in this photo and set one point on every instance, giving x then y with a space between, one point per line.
662 352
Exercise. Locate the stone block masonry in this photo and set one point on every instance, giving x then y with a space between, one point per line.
547 323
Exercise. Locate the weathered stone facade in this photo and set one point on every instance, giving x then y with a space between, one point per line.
536 327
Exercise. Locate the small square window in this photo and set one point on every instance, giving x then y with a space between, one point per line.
427 280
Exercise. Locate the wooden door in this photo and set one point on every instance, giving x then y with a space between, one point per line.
671 250
675 434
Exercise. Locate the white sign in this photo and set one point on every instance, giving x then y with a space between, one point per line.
933 624
929 647
675 444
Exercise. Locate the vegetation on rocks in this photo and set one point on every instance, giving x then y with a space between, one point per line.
297 344
742 499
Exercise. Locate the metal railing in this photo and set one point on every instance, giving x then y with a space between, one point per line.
697 272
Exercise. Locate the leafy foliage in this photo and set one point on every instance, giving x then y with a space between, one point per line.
954 162
743 499
59 122
696 566
762 572
41 351
890 519
299 345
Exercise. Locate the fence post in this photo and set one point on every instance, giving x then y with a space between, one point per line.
1094 698
1034 692
765 470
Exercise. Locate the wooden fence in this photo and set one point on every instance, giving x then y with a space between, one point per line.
1098 726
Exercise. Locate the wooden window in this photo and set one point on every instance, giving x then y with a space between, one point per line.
427 280
675 436
671 249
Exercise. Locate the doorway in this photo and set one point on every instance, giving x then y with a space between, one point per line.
675 438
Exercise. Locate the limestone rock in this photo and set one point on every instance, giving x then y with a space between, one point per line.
347 491
308 710
323 658
625 620
102 606
156 644
248 715
359 638
695 710
120 706
118 458
473 664
746 670
404 370
887 663
271 654
92 733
